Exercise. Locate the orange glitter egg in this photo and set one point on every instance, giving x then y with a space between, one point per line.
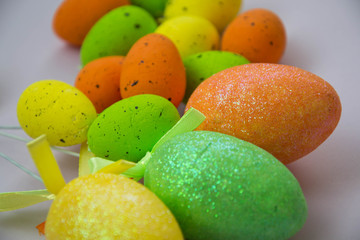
257 34
74 18
99 81
283 109
154 66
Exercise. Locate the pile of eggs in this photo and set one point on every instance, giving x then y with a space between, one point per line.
141 60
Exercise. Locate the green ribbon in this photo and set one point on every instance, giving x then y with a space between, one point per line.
191 120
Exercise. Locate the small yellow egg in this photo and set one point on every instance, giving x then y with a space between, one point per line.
190 34
56 109
109 206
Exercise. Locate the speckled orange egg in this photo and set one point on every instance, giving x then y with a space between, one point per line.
283 109
99 81
154 66
74 18
257 34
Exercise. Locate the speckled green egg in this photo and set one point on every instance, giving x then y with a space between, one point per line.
202 65
131 127
220 187
155 7
116 32
56 109
190 34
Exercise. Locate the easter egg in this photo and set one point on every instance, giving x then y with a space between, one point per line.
116 32
155 7
56 109
283 109
74 18
200 66
220 187
190 34
154 66
109 206
99 81
220 13
257 34
131 127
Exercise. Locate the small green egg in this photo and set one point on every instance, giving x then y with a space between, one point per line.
220 187
56 109
116 32
131 127
203 65
155 7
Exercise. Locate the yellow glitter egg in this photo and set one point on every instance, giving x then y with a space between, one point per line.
56 109
109 206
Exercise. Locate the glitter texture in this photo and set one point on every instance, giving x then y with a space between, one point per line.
220 187
108 206
282 109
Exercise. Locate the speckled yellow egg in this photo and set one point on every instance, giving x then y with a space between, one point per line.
283 109
190 34
109 206
56 109
220 13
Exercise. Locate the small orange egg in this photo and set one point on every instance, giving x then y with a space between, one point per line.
154 66
99 81
283 109
257 34
74 18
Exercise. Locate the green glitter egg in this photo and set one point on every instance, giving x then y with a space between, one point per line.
220 187
131 127
116 32
203 65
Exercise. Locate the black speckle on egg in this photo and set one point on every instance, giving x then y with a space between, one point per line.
97 86
127 14
271 43
62 140
201 79
199 56
252 24
134 83
107 155
137 26
136 107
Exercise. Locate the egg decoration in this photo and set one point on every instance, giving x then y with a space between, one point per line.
220 13
220 187
74 18
116 32
99 81
155 7
154 66
257 34
201 66
56 109
109 206
283 109
131 127
190 34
